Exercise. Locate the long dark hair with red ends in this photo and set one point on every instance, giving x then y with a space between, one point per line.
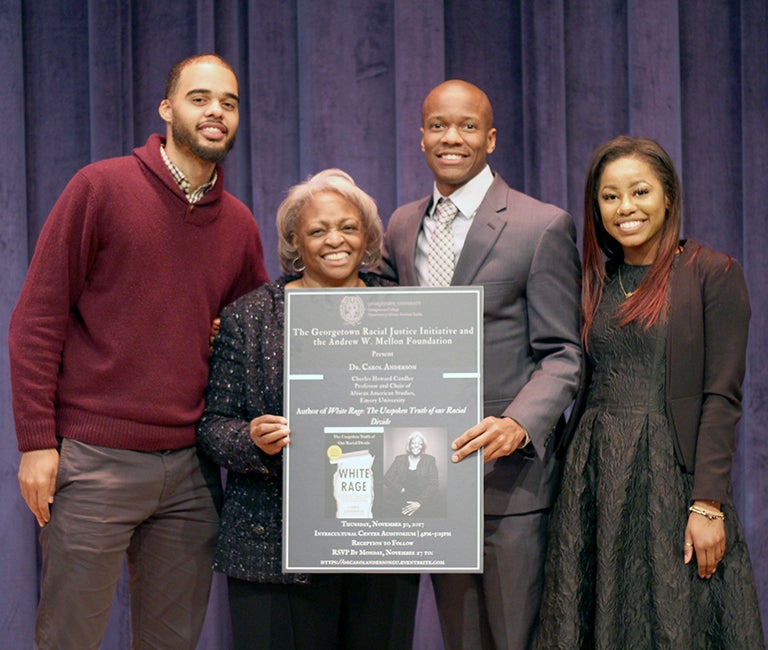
602 254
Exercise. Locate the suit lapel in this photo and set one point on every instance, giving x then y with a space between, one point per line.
485 230
411 233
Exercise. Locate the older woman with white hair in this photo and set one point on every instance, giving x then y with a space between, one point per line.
411 482
329 229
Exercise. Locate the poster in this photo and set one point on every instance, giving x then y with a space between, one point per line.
378 383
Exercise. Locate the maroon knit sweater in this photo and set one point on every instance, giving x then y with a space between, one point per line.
109 339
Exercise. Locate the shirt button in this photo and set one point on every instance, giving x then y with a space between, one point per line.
259 529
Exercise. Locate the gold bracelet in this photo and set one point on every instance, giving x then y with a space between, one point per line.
709 514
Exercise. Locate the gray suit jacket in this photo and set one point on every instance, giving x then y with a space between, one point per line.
524 254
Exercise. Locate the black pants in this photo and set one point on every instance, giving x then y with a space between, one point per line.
335 611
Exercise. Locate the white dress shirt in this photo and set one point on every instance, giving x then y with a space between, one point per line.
467 199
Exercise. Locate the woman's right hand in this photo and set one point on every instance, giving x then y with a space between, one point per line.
270 433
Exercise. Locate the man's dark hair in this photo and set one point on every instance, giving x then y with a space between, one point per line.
175 72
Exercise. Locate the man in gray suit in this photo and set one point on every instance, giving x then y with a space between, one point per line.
524 254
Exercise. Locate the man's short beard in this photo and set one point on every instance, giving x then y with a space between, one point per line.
185 138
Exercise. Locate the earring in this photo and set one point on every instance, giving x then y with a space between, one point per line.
366 259
296 268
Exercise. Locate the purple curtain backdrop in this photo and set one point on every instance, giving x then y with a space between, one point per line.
331 83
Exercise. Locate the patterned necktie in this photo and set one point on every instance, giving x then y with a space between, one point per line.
441 245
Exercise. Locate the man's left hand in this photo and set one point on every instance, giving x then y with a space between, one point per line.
499 436
215 326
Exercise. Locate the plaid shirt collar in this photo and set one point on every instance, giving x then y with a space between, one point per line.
183 183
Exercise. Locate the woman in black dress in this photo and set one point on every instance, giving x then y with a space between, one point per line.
411 482
646 550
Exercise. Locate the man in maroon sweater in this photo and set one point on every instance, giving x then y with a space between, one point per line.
109 347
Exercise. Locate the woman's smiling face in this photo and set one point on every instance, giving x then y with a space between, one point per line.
330 239
633 207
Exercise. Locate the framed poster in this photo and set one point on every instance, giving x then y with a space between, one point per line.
378 383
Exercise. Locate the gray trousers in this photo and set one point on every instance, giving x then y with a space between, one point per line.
498 609
159 508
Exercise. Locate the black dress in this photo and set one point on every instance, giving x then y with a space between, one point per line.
615 576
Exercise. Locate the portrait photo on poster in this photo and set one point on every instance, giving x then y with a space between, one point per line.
414 480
